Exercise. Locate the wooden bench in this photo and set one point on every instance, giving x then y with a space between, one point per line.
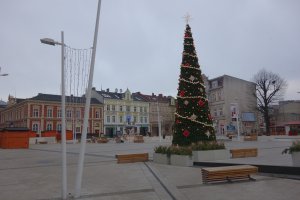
228 173
250 138
138 139
231 135
130 158
242 153
102 140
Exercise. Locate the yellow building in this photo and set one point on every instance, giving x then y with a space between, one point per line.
124 113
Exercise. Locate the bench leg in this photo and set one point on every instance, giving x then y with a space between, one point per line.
250 178
228 179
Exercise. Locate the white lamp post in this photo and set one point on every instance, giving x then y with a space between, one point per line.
63 111
87 109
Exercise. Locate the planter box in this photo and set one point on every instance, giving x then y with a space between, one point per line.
161 158
296 159
210 155
181 160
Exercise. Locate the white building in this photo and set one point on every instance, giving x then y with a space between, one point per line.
229 98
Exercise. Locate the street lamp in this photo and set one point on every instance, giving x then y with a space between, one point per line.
3 74
63 108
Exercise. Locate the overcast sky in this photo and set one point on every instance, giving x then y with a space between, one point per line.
140 42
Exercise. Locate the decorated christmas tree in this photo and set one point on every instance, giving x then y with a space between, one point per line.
193 122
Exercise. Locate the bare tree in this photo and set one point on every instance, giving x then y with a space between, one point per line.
270 88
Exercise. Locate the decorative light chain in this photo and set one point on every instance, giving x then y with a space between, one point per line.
209 125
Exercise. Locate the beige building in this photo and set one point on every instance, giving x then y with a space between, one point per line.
163 108
232 105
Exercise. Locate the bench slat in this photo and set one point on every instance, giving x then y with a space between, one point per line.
228 173
129 158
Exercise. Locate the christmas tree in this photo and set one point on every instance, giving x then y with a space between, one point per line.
193 122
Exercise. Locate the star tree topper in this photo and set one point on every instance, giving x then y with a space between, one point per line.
187 18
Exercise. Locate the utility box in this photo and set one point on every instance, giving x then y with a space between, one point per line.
14 138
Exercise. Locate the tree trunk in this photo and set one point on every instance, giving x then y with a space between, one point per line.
267 121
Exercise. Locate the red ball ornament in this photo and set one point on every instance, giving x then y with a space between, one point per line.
201 103
181 93
177 121
210 117
186 133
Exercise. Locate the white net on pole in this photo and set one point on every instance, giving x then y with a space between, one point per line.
77 68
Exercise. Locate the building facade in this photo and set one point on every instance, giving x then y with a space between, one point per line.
232 105
161 108
124 113
285 117
43 113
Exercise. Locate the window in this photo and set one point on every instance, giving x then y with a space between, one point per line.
78 114
78 129
58 127
214 84
145 109
127 108
108 119
113 119
59 113
215 113
145 120
141 109
220 111
35 112
121 108
113 107
121 119
69 113
134 119
141 119
35 127
107 107
49 127
97 114
134 109
49 112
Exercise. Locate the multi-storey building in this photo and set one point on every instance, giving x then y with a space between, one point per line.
124 113
163 108
43 113
285 117
229 98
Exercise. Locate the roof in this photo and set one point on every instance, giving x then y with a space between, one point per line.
57 98
111 95
119 96
153 98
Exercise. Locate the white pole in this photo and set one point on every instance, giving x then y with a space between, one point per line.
237 121
238 127
63 120
86 110
158 121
